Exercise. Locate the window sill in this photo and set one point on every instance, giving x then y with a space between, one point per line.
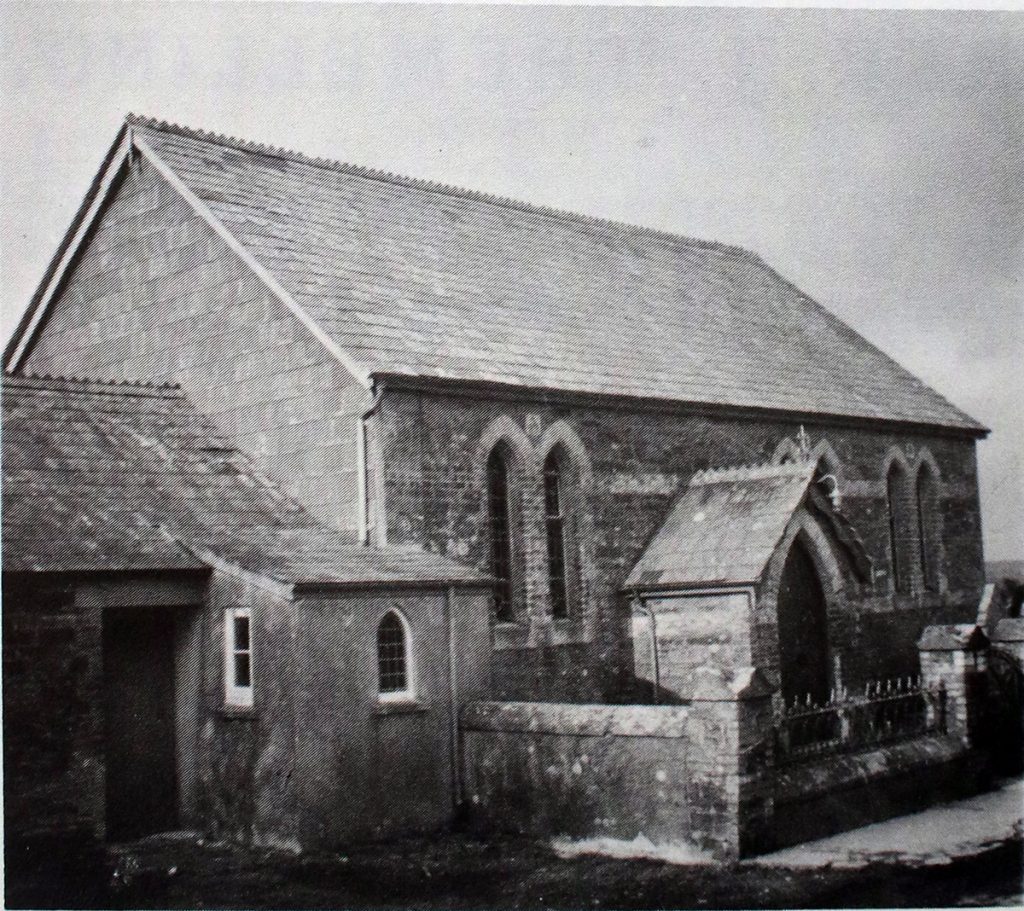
510 635
237 712
569 631
573 630
399 707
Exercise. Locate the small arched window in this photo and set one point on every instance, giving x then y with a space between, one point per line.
555 503
500 527
896 502
927 538
393 674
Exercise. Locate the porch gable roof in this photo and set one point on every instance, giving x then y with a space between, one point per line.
724 528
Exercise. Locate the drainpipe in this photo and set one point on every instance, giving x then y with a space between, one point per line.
453 692
363 466
640 605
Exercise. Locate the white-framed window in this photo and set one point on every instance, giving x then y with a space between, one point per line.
394 669
238 657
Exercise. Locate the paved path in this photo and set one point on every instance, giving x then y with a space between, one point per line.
934 836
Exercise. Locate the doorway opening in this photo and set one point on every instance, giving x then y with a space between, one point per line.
803 629
140 722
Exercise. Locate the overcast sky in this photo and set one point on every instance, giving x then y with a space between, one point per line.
874 158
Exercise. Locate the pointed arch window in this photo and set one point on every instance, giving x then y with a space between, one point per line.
500 528
927 537
896 502
394 680
555 503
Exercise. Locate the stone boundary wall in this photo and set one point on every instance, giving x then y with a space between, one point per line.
817 799
704 775
586 771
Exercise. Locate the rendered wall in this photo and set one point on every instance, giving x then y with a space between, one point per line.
158 296
692 633
246 788
667 773
370 769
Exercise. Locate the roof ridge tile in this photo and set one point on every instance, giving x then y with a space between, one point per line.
433 186
29 378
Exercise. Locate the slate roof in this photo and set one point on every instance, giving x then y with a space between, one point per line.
413 278
724 528
105 476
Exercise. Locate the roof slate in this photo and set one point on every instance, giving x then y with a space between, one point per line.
104 476
724 528
412 278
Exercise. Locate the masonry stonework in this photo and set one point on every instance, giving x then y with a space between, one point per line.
158 296
430 492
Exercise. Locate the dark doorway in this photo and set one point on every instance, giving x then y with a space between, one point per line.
803 629
138 696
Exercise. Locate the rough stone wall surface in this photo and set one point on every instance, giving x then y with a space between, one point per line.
693 634
822 798
54 692
52 711
158 296
585 771
434 447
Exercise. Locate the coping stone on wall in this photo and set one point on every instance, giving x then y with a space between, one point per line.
710 684
953 637
1009 629
576 719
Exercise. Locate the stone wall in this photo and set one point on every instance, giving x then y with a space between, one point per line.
635 459
817 799
158 296
583 771
704 775
54 739
52 721
684 776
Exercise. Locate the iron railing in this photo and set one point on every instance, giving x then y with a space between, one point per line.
885 712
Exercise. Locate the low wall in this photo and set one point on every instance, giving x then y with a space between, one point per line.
706 774
586 771
816 799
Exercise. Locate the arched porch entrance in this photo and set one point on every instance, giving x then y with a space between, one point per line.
803 629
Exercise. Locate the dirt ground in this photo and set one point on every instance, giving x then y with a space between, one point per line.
453 872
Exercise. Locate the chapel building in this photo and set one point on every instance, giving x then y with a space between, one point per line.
632 454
